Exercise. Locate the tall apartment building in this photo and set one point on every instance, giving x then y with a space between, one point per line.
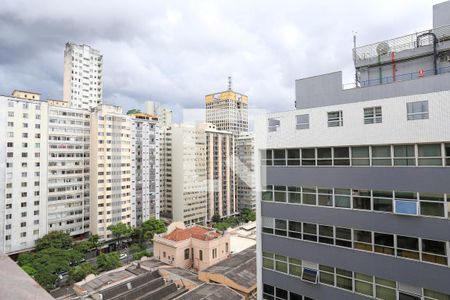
189 177
68 168
245 170
165 172
110 169
228 110
355 192
23 171
220 171
83 72
145 194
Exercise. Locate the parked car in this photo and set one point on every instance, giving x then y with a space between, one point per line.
123 256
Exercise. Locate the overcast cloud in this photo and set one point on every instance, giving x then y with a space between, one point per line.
175 52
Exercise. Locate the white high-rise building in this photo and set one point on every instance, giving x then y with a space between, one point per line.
165 172
245 170
23 171
110 169
68 168
83 70
145 198
164 114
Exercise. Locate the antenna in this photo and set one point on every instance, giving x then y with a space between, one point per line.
229 83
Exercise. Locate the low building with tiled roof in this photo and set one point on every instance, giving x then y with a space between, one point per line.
194 247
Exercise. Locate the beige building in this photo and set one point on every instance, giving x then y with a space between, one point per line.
165 172
68 168
83 72
110 170
245 170
220 172
191 247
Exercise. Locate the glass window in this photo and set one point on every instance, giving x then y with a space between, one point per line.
343 237
433 295
309 157
294 195
434 251
309 195
363 240
372 115
268 260
295 229
432 204
417 110
361 199
273 124
384 243
406 203
267 195
267 225
324 156
279 157
280 193
295 267
360 156
407 247
429 155
364 284
281 263
404 155
341 156
326 234
281 294
342 198
382 201
447 154
344 279
268 291
309 275
302 121
293 157
326 275
335 118
325 196
381 155
280 227
268 159
310 232
385 289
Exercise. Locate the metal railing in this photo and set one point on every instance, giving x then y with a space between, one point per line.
398 78
406 42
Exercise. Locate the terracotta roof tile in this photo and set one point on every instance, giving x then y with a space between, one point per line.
196 232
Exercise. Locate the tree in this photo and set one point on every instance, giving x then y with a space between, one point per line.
80 272
29 270
54 239
151 227
94 241
248 215
120 230
106 262
215 218
133 111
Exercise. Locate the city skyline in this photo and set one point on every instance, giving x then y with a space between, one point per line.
176 53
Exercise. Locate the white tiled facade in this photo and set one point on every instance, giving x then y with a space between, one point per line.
83 71
23 173
68 169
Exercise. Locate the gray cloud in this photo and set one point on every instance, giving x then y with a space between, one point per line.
175 52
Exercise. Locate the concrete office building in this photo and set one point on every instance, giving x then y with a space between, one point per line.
68 168
83 71
189 176
23 171
355 189
227 110
144 168
110 169
220 172
245 170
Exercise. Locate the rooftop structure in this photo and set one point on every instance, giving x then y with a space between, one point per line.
237 272
26 95
210 291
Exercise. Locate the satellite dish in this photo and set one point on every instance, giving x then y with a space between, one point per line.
383 48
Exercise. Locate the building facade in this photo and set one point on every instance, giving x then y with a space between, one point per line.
164 114
220 172
355 192
145 193
245 171
68 168
83 72
23 171
110 169
165 172
189 176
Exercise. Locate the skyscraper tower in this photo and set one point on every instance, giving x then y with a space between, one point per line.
228 110
83 69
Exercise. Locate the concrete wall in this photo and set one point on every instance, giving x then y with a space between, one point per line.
441 14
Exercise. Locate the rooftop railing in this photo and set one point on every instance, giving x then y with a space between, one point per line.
402 43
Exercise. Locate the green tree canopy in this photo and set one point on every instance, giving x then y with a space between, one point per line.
120 231
153 226
80 272
54 239
110 261
215 218
248 215
29 270
133 111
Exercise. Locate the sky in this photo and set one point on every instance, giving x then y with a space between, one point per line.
176 52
